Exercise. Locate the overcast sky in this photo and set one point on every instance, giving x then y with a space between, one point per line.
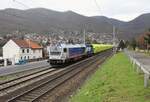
120 9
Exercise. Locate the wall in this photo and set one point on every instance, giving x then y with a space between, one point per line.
11 51
33 53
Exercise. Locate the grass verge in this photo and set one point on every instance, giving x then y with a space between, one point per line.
115 81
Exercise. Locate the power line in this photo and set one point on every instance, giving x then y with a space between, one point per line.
26 6
98 6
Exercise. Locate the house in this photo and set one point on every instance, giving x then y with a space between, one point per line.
16 50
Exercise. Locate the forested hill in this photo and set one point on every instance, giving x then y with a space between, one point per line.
42 20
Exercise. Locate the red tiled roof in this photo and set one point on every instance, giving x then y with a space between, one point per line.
27 44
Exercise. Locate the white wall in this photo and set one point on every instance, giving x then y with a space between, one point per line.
11 51
37 53
33 54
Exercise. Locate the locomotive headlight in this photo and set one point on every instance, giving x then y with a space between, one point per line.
63 56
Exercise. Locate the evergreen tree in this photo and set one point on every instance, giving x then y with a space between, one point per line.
122 44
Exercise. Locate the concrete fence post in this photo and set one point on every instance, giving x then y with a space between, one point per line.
146 78
134 63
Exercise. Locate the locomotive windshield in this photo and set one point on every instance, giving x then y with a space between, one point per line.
55 50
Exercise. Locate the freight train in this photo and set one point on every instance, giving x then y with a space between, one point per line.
65 53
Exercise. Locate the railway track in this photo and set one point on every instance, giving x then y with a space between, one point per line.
8 88
23 79
34 86
19 75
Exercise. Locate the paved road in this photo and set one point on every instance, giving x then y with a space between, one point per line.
142 58
18 68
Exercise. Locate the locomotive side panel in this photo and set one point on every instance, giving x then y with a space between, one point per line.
76 52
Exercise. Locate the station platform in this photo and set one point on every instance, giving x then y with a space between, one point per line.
18 68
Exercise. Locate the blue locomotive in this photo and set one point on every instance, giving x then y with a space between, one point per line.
64 53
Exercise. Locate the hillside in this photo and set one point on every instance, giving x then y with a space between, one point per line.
42 20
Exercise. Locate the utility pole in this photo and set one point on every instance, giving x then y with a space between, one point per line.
114 38
84 36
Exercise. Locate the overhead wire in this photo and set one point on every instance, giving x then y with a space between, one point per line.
98 6
26 6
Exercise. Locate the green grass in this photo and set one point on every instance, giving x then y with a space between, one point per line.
116 81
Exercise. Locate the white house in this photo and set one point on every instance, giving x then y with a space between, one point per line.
16 50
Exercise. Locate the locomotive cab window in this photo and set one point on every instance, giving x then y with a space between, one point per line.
65 49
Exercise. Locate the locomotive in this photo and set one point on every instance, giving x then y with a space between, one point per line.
65 53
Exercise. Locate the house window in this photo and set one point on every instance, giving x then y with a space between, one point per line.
28 57
22 50
27 50
21 58
24 57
